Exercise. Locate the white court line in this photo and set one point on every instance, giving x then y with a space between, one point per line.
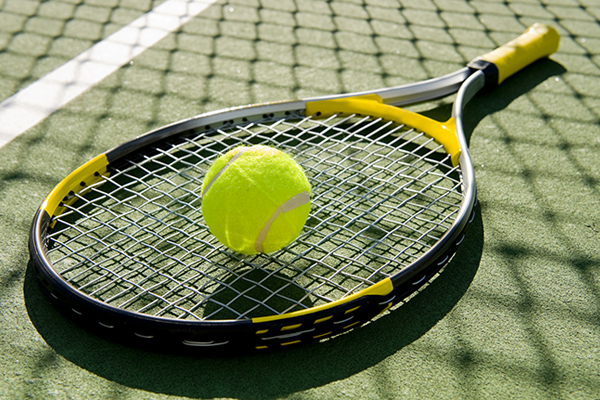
33 104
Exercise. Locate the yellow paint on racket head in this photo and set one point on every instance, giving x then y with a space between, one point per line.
77 181
372 105
381 288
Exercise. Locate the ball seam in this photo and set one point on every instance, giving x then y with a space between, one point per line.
294 202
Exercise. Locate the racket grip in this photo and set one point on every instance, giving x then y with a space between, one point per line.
538 41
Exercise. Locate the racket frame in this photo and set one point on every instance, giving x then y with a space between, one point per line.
281 329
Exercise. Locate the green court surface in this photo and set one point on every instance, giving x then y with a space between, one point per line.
514 315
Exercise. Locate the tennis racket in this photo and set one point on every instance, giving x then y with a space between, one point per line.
121 242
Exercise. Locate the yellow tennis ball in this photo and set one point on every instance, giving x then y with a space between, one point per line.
255 199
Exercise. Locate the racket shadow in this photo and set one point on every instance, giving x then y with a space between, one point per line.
273 375
487 103
499 98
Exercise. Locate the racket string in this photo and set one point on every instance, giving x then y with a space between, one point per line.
383 195
122 248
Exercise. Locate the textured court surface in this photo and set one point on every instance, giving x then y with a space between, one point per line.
516 313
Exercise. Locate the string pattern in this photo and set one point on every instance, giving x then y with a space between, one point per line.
383 194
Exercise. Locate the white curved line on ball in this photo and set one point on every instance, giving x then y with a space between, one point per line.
297 201
231 161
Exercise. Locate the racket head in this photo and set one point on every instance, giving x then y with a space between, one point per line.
121 241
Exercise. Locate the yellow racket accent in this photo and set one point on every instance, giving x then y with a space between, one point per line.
371 104
89 173
381 288
537 42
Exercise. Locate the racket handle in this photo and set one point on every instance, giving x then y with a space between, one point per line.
538 41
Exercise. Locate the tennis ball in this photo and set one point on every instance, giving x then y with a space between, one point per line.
255 199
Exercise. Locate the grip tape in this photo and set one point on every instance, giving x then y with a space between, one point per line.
537 42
